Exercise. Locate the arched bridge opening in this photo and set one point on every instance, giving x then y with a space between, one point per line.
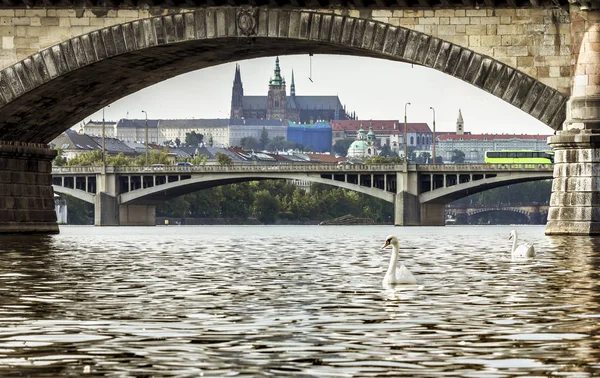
141 189
499 216
61 85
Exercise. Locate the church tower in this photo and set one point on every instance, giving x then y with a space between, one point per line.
277 97
460 124
237 95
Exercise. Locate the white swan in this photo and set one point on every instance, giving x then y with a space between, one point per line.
523 251
403 276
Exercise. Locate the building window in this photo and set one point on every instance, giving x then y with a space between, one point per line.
412 140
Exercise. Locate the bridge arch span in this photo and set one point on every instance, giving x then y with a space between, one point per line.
63 84
452 193
76 193
159 193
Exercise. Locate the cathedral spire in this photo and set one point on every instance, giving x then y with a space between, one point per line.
293 86
237 95
238 77
277 80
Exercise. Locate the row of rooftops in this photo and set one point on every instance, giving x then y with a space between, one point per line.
71 140
387 127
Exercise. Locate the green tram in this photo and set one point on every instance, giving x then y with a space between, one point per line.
519 157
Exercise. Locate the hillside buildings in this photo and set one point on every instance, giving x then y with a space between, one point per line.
474 146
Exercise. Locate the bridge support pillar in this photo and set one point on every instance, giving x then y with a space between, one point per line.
137 215
575 201
26 196
433 214
407 210
106 210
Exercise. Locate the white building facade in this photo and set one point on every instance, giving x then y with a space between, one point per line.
474 146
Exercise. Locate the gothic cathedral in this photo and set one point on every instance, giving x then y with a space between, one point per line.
277 105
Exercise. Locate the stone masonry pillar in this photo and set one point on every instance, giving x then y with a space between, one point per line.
575 201
26 195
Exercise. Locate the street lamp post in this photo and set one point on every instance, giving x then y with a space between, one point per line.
103 136
405 134
433 144
143 111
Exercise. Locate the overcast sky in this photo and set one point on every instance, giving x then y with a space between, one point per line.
373 88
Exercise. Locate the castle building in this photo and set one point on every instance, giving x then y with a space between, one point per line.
278 105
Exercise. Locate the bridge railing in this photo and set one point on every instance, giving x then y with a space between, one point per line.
307 167
281 167
482 167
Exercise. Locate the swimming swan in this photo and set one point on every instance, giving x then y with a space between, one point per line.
524 251
403 276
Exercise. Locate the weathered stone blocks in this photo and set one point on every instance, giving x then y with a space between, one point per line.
26 196
575 200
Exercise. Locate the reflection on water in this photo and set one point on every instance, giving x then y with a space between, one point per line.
296 301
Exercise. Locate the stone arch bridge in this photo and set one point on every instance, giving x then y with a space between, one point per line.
62 61
128 195
535 214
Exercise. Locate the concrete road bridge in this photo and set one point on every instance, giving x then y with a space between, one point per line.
62 61
465 214
128 196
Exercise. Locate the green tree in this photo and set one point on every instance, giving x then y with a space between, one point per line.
199 159
192 139
341 146
458 156
154 157
386 151
279 144
266 207
223 159
249 143
264 138
86 159
118 160
59 160
423 158
79 212
177 207
383 160
177 142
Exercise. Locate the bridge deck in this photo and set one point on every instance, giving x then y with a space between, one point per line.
310 168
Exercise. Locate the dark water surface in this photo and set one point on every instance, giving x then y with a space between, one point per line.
297 301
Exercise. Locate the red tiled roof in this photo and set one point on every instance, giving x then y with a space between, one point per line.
454 136
379 126
326 158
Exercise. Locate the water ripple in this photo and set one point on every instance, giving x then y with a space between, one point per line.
296 301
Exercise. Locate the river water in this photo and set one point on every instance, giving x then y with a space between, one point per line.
302 301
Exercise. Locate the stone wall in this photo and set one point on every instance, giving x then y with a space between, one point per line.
26 196
535 41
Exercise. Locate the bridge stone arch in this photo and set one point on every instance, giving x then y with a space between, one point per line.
62 84
173 189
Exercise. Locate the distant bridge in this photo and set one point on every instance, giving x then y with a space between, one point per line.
464 214
128 195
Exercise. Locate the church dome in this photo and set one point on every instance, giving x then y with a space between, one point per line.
358 148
